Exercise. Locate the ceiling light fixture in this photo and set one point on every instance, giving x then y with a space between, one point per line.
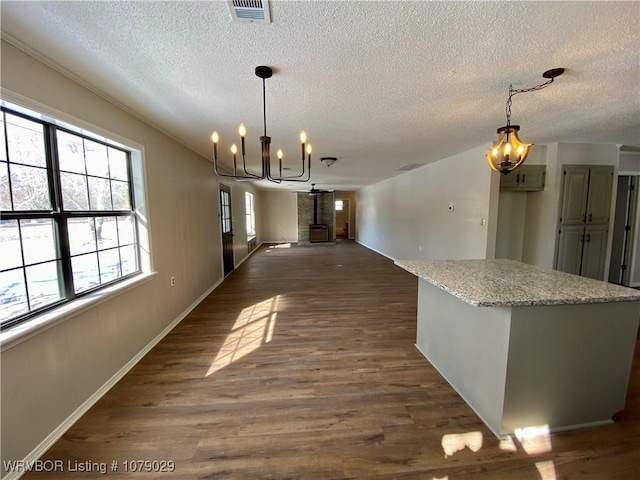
509 152
328 161
265 173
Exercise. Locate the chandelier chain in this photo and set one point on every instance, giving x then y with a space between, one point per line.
513 92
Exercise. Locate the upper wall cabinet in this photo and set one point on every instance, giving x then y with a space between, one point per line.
527 178
586 195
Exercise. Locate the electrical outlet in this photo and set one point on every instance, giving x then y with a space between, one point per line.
173 281
419 248
452 207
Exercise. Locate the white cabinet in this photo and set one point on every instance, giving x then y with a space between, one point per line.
594 251
584 220
527 178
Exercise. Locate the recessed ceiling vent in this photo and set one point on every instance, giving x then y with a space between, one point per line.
249 11
410 166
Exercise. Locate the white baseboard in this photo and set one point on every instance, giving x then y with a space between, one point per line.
248 255
54 436
377 251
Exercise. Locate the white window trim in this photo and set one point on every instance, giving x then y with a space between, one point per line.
22 332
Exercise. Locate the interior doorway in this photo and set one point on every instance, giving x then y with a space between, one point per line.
343 218
623 228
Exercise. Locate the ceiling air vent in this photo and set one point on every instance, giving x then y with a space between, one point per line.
410 166
249 11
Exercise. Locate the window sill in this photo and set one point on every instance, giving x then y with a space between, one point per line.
24 331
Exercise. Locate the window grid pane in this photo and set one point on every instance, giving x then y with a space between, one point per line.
25 139
3 141
38 241
43 284
13 294
5 193
75 195
11 247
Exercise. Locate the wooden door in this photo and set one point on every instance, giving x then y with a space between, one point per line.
594 253
226 220
574 195
599 201
570 244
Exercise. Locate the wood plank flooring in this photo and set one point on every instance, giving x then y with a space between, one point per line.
302 365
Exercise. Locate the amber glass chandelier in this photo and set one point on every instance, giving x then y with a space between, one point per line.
509 152
243 174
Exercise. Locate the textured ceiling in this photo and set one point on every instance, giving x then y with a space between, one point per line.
377 84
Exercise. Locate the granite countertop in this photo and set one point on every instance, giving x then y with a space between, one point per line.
507 283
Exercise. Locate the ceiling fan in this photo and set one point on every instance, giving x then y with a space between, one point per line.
315 191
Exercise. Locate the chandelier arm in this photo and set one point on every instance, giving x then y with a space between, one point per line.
288 179
272 179
249 174
246 178
295 176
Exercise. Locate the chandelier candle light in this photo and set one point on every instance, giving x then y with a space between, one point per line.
265 173
509 152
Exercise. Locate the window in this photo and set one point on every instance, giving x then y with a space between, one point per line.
339 205
251 214
225 204
67 220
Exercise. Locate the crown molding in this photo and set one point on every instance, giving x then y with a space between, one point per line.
10 39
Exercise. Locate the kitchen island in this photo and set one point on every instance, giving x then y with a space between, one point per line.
526 346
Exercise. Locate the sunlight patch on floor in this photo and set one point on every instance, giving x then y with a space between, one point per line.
534 440
454 442
280 245
253 328
547 470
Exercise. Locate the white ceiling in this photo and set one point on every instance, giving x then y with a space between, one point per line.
377 84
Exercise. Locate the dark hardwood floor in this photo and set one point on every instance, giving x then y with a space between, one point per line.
302 365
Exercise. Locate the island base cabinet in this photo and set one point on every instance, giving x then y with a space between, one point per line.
559 367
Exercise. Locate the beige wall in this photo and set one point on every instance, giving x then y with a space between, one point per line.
407 216
279 216
55 372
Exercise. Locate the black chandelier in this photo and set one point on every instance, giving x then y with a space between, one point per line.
508 152
265 173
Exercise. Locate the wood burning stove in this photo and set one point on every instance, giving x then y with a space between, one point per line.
318 232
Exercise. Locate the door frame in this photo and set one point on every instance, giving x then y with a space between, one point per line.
346 203
635 229
222 187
